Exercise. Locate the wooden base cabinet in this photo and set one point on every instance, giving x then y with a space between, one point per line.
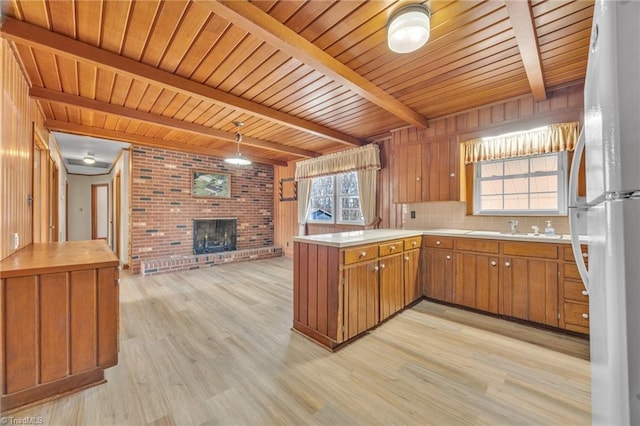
574 300
412 276
340 293
477 281
60 325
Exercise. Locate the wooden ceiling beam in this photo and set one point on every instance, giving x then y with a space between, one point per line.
48 95
80 129
253 20
524 28
58 44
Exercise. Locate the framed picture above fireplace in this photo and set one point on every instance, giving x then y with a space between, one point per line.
210 184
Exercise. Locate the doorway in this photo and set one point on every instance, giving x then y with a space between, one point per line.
99 211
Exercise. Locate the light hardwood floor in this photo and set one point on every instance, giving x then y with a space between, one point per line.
214 346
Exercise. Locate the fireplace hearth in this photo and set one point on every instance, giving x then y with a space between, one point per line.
214 235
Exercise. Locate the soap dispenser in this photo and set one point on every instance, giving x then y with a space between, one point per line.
549 230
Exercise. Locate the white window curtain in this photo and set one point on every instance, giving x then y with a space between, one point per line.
364 160
553 138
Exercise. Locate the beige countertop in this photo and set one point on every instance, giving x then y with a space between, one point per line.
354 238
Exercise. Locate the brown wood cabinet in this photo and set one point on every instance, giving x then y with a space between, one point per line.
426 171
574 298
60 325
533 281
439 268
339 293
391 285
412 275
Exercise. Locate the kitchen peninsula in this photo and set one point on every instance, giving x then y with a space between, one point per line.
59 322
348 283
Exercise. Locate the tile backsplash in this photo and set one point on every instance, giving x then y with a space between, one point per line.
453 215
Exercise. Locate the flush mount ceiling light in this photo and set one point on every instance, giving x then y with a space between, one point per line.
89 158
238 159
408 28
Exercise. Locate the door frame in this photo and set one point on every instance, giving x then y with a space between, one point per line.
94 210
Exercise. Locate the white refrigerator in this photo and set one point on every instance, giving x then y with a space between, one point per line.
611 142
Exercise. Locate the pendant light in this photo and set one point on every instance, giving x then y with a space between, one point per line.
408 28
238 159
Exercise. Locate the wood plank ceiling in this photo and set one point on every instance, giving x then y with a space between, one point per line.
306 77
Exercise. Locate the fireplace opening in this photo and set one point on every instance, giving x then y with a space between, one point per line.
214 235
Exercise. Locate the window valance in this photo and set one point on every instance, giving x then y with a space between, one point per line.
362 158
553 138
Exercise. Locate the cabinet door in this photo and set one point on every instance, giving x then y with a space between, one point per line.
530 290
411 276
391 286
476 281
407 173
439 275
361 298
108 316
440 170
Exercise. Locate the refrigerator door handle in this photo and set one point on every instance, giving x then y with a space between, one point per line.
575 210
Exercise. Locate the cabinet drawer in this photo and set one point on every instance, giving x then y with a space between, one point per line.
514 248
576 314
481 246
391 247
571 271
574 290
412 243
567 253
359 254
438 242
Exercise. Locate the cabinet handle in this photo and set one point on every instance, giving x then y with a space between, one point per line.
585 316
494 263
438 242
406 258
413 243
452 175
382 266
363 254
585 254
585 292
507 264
417 177
393 248
448 257
375 268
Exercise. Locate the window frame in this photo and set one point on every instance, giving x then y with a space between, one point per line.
336 204
561 173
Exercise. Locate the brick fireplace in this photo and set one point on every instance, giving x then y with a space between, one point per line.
163 211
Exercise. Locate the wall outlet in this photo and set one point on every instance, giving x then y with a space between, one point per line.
15 241
413 214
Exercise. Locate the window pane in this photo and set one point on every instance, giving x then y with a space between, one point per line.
547 163
544 184
516 186
491 202
544 201
322 186
349 183
491 187
350 203
516 167
491 169
516 202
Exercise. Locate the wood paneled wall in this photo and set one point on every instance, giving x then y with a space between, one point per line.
20 117
562 105
285 212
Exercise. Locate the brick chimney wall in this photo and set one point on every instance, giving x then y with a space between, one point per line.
162 208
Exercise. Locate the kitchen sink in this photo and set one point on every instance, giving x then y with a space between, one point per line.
516 235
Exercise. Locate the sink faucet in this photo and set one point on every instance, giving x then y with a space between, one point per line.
514 226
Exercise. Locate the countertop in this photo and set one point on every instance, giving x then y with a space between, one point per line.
354 238
57 257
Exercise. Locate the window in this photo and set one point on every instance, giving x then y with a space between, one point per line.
528 185
335 199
